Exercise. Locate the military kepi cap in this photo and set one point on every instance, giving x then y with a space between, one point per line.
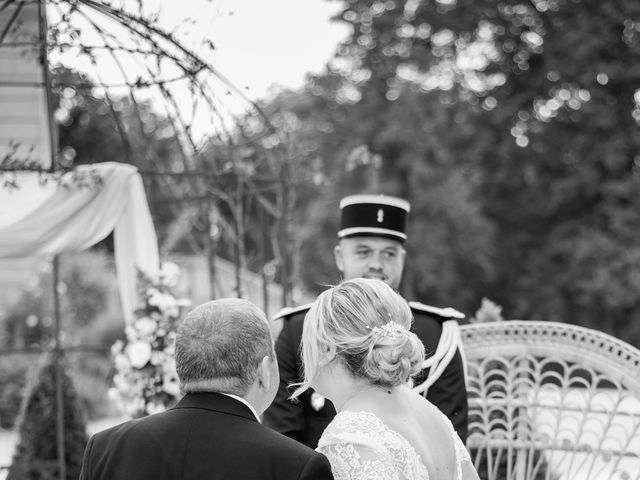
374 215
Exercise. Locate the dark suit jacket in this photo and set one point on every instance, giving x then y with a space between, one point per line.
205 436
302 421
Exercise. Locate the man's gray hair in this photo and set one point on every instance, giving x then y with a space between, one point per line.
219 346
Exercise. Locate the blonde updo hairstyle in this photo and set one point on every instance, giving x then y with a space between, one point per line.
346 317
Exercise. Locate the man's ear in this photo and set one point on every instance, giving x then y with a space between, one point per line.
337 255
264 373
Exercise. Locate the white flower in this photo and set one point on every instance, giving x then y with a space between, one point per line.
145 326
152 291
121 383
113 394
116 348
153 407
170 349
169 366
163 301
156 358
139 353
130 333
134 406
170 274
172 311
171 386
145 377
121 362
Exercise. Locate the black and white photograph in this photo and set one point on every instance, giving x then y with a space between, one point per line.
319 239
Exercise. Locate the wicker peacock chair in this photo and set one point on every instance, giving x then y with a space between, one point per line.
552 401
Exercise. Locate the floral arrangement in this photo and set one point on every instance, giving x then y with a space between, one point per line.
145 379
489 311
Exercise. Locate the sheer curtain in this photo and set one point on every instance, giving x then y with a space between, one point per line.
39 219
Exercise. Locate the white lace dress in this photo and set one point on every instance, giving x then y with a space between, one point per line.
360 446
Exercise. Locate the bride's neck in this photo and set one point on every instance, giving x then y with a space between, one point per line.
360 394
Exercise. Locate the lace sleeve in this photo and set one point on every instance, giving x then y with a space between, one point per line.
352 461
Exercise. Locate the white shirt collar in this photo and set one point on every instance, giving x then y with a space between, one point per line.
242 400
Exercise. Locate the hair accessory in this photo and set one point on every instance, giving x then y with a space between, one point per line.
390 329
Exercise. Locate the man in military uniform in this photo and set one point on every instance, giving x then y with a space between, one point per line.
371 240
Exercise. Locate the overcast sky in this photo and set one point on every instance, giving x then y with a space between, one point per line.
263 42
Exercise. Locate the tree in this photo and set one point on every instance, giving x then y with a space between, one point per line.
93 128
531 109
36 456
403 147
13 374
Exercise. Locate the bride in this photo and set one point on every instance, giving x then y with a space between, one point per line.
358 352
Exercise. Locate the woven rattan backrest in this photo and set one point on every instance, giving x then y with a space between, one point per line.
552 401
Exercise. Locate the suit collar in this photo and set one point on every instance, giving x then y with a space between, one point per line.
216 402
244 402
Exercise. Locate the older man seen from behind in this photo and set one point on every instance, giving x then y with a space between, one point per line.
228 372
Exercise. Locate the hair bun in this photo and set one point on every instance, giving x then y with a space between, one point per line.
394 356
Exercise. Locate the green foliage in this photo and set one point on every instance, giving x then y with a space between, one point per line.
28 321
513 129
14 370
419 160
88 299
91 373
84 294
35 457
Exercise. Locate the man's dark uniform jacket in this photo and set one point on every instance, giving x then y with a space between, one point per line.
306 419
205 436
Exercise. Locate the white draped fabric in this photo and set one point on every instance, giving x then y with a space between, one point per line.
44 220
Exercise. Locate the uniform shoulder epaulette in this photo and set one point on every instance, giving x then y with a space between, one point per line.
447 313
288 311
